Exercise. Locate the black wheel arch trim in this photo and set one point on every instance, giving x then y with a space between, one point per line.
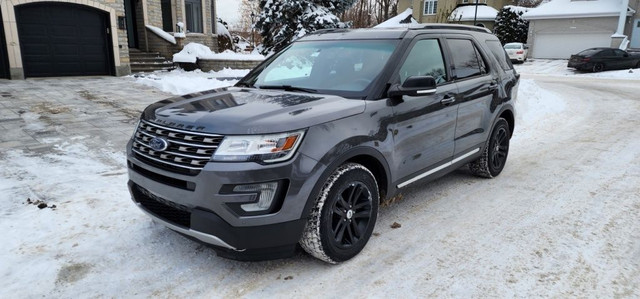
348 155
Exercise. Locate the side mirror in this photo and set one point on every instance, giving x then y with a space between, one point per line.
414 86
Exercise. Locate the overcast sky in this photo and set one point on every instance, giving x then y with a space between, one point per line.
228 10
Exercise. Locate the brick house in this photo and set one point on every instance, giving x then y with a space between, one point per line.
95 37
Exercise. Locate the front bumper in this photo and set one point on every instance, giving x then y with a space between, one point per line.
199 208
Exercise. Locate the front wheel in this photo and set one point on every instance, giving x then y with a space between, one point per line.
494 157
344 215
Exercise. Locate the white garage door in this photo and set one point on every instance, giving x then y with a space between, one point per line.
562 45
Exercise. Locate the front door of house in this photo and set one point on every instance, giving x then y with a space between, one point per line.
131 18
635 34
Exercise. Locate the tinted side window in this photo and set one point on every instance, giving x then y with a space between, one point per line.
500 55
606 53
619 53
466 62
425 59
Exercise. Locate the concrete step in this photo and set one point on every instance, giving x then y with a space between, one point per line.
144 54
148 59
151 70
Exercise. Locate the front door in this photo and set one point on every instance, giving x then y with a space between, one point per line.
130 16
424 126
635 34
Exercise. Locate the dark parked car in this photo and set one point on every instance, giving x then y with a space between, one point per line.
304 148
600 59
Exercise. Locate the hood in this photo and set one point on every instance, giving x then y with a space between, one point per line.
237 111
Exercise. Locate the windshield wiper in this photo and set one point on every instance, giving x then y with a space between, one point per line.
288 88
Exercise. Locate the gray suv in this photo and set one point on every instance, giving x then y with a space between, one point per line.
304 148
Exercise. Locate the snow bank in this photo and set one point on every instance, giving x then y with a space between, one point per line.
161 33
572 9
397 21
194 51
179 82
468 13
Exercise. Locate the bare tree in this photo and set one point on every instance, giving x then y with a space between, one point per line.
368 13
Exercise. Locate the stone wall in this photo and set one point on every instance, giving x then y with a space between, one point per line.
217 65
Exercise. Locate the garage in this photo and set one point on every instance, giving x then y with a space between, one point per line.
562 45
4 63
63 39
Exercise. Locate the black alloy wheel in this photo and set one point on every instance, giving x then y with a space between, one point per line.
598 67
499 149
350 214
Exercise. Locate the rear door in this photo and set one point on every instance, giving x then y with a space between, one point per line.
424 126
477 87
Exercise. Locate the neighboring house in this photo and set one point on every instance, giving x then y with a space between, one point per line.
441 11
95 37
560 28
482 15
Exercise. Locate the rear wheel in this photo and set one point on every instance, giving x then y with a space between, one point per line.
344 215
598 67
494 157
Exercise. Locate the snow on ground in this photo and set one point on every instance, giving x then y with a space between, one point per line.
558 67
181 82
562 220
194 51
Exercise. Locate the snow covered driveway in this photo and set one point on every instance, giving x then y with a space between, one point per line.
562 220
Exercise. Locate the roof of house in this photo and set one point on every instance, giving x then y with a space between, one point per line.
403 19
560 9
468 12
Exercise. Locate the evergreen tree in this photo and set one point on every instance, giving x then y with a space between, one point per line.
510 26
282 21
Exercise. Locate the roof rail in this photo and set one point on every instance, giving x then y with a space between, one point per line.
452 26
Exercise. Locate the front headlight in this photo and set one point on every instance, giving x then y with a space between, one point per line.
258 148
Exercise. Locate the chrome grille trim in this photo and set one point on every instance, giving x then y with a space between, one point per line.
181 131
187 150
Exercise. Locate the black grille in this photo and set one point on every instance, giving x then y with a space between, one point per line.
187 151
162 208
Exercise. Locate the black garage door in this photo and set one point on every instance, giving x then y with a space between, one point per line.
60 39
4 64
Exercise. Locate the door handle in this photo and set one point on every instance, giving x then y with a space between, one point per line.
447 101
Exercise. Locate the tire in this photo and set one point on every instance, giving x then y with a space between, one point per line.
598 67
494 156
333 235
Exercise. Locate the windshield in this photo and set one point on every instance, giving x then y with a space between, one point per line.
326 66
513 46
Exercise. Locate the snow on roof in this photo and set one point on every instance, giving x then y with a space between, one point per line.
161 33
559 9
468 13
399 20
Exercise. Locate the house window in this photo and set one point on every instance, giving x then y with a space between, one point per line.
430 7
193 11
167 19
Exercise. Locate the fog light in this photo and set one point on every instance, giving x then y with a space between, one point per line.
266 193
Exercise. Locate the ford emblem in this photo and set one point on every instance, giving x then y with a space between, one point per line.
158 144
